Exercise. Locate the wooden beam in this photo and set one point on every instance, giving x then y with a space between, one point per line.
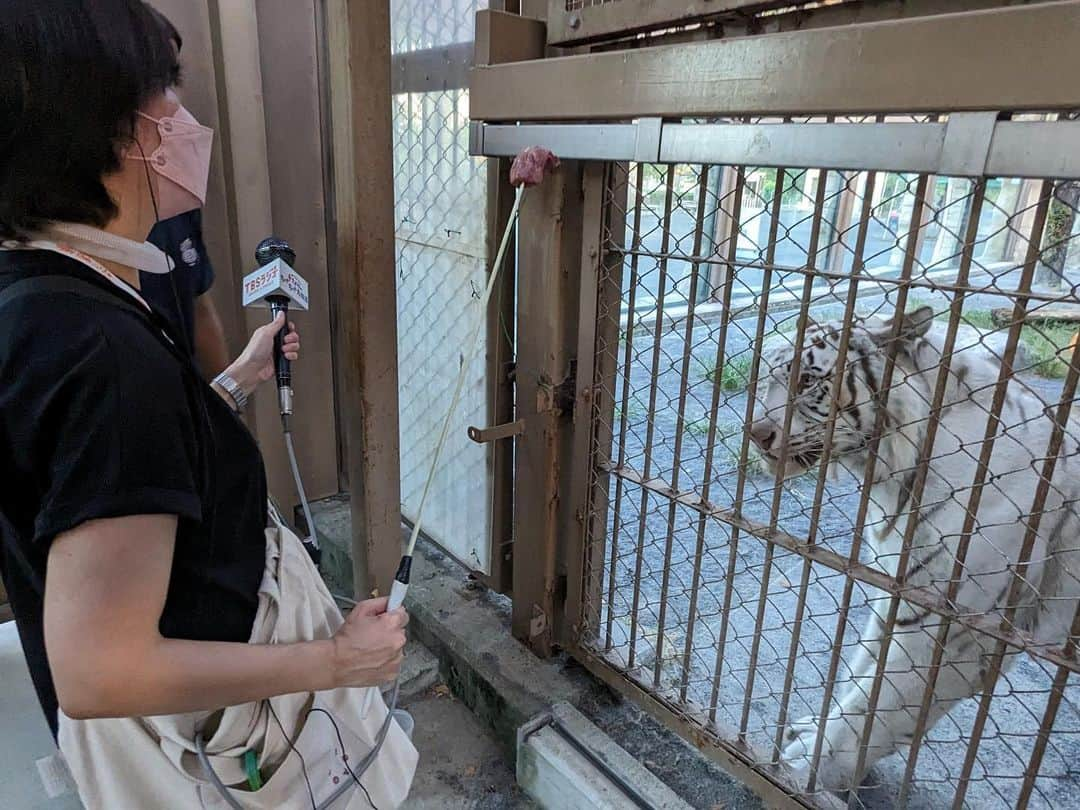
249 210
502 37
628 17
943 63
359 49
290 73
549 255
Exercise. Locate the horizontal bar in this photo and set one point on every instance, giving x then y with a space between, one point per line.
749 766
568 141
920 596
1040 149
942 63
883 147
931 280
1034 149
431 70
506 430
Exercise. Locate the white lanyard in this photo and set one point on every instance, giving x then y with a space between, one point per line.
82 258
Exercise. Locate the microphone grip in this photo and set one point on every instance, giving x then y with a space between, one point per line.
282 366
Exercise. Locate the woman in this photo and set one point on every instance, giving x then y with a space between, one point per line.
135 543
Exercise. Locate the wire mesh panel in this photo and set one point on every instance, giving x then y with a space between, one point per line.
440 194
839 527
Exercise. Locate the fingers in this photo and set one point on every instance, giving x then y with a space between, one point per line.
291 344
372 607
397 619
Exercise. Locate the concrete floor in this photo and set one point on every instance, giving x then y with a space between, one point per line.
460 766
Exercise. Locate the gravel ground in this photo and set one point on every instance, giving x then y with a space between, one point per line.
735 568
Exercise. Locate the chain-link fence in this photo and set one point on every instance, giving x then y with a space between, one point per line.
813 508
441 198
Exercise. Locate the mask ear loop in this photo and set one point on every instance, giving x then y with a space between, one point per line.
157 221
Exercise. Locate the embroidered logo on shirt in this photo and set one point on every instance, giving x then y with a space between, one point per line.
188 252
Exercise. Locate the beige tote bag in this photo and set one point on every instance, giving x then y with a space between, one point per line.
151 762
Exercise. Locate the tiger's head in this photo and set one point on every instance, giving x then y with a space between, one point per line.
855 388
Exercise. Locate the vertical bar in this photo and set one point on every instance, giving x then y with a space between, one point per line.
500 387
367 283
329 215
857 268
979 482
502 38
680 418
844 208
751 397
1057 692
628 357
1033 521
289 64
726 227
650 431
549 242
914 503
789 412
594 402
882 397
706 481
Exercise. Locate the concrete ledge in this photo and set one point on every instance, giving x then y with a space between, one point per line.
467 628
553 768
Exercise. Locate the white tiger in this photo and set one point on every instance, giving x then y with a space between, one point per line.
1049 599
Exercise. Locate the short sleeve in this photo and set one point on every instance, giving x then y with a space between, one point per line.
113 434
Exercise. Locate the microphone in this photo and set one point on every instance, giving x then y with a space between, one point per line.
277 285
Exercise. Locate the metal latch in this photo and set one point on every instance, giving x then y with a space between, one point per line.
494 434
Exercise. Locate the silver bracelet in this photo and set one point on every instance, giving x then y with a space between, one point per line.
232 388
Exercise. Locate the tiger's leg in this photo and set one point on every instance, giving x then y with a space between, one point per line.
899 701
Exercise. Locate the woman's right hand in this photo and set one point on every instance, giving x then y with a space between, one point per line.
369 647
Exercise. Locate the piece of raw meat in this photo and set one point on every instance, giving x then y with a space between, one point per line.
531 166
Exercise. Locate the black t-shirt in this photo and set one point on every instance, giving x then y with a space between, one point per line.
181 238
100 416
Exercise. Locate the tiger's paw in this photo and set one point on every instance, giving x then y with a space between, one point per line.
839 752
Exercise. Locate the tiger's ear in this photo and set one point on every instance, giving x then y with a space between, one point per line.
914 324
917 323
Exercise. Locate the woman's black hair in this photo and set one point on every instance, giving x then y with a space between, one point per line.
73 75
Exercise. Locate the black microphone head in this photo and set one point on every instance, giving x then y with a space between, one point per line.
273 247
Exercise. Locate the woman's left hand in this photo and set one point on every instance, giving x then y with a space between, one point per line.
256 363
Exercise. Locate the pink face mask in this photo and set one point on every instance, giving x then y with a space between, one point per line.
182 163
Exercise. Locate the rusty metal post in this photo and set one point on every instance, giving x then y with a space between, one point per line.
604 195
359 49
549 257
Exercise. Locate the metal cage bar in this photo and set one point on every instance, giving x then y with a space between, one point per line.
740 485
688 614
826 456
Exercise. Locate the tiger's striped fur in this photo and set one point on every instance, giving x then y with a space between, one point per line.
1052 583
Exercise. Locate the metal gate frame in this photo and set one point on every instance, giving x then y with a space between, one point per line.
631 98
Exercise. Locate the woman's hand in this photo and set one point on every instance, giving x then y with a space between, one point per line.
104 596
255 365
370 645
